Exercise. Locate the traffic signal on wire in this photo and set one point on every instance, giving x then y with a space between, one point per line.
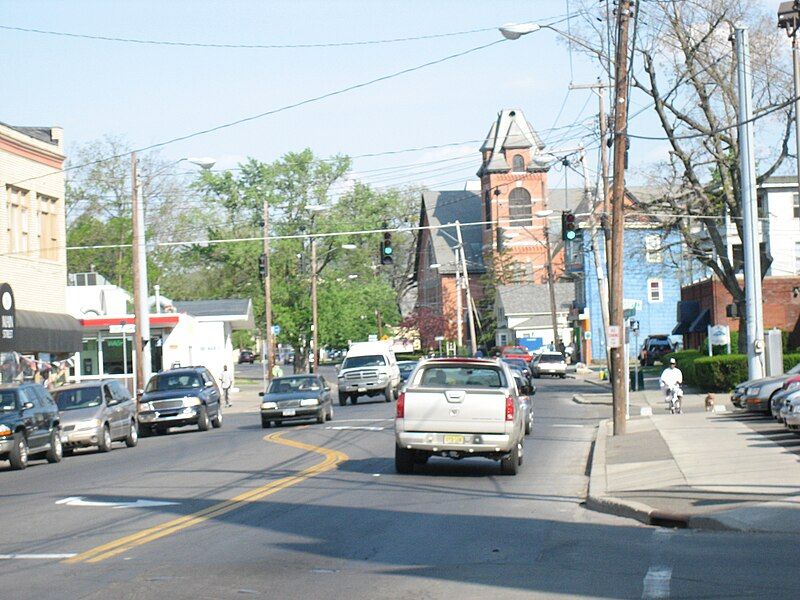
387 252
262 266
568 228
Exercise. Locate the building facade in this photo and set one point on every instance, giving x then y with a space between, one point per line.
36 328
523 314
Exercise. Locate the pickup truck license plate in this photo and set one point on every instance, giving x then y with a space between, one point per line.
454 439
289 412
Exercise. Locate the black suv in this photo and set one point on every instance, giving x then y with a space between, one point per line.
246 356
654 348
29 424
178 397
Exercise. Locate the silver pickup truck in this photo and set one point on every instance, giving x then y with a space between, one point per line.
458 408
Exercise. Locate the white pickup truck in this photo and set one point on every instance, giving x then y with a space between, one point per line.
457 408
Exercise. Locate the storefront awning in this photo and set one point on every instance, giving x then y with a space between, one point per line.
36 332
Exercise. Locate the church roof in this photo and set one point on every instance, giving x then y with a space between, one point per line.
511 131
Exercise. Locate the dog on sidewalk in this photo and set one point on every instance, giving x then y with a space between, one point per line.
709 402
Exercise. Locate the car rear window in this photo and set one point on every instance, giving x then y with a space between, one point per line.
460 376
551 358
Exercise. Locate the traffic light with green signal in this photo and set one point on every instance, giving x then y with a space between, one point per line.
387 252
568 226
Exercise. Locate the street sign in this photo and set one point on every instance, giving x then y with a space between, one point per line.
439 338
632 304
372 337
276 329
587 335
613 336
126 328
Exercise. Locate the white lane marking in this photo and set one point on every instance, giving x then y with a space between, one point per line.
359 427
363 420
35 556
139 503
656 582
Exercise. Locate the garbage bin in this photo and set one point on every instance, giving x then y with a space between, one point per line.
637 383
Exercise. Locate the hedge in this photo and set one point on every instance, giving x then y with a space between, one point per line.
790 361
720 373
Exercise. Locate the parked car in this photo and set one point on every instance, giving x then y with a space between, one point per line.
521 365
29 425
526 391
296 397
790 412
179 397
654 348
791 385
406 368
370 369
458 408
759 392
517 352
549 363
247 356
96 413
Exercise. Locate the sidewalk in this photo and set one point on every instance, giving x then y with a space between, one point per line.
700 469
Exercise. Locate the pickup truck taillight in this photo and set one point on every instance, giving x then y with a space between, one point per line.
401 405
509 408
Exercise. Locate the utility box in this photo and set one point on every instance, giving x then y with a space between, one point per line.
773 352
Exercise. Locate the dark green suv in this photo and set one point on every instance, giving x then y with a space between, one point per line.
29 425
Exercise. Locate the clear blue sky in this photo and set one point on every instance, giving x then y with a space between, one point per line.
152 93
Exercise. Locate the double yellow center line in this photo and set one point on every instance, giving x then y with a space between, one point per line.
123 544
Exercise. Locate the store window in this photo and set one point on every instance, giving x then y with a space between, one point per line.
117 359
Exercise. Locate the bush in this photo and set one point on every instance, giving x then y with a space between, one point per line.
685 360
720 373
790 361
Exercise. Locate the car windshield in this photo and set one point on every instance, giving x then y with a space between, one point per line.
355 362
78 398
8 401
460 376
551 358
173 381
288 385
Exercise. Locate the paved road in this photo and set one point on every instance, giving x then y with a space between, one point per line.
290 517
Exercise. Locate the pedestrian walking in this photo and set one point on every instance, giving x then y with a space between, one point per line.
277 371
226 380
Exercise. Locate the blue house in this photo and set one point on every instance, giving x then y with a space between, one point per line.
651 283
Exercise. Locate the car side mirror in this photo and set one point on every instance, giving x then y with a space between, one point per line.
209 383
261 394
27 405
112 402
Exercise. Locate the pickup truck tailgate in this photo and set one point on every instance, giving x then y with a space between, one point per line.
449 410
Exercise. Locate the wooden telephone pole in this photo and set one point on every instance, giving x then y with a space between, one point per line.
620 137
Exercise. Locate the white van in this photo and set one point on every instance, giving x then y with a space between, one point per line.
368 369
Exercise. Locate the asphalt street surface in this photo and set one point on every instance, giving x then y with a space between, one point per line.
317 511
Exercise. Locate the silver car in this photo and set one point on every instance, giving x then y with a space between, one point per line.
549 363
96 413
790 411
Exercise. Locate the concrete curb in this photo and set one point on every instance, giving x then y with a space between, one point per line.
598 500
580 399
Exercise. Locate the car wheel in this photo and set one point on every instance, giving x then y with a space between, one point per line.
420 457
403 460
105 440
330 413
203 423
56 452
265 423
216 422
563 376
528 424
133 435
18 457
353 399
321 415
509 464
342 399
389 393
278 423
145 431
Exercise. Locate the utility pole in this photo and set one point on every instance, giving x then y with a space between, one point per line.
747 168
616 314
472 337
267 294
459 303
379 322
314 318
140 307
551 285
789 19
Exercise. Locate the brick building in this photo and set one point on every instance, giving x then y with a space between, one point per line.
704 303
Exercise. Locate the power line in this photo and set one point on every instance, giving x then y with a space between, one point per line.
152 42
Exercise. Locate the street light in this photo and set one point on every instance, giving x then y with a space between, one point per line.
514 31
349 247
